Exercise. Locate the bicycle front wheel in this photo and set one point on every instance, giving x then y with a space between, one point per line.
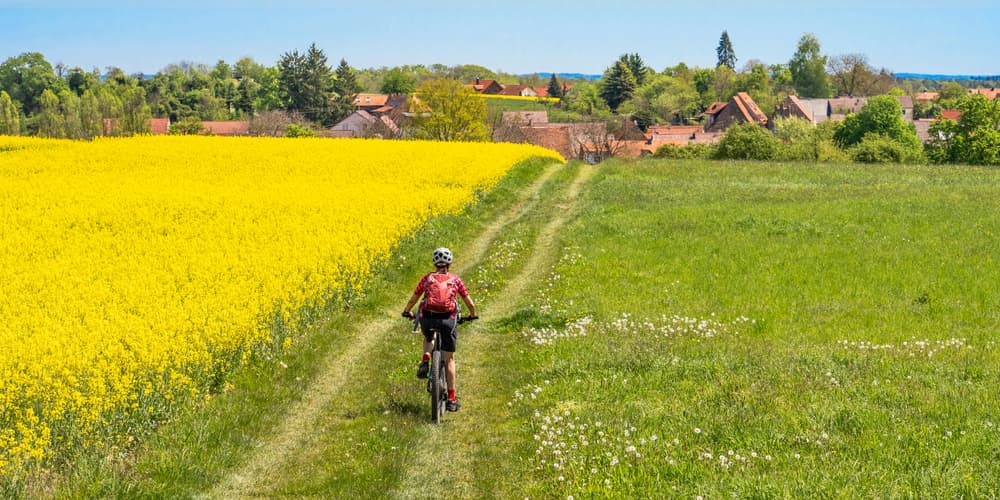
439 386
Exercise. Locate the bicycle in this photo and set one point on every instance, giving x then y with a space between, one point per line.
437 382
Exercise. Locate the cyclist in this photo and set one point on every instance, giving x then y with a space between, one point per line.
438 311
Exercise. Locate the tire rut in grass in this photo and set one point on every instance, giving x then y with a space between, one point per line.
453 446
293 434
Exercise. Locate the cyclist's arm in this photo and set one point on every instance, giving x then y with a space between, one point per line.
411 303
469 305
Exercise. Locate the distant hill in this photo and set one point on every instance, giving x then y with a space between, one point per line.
564 76
921 76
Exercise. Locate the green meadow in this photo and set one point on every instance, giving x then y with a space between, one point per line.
651 329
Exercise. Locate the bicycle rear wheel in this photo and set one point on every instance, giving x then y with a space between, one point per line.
439 386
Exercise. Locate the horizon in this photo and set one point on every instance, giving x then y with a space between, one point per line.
583 37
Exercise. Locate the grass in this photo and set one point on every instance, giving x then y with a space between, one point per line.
708 330
191 453
866 367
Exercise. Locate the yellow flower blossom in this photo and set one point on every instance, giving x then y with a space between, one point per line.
134 271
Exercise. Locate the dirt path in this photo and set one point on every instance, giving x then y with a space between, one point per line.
423 478
271 455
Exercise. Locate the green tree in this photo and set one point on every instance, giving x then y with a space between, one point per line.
26 77
952 91
637 66
398 82
585 99
555 88
49 118
136 114
10 119
618 85
246 96
881 115
725 53
748 141
345 87
91 123
808 68
447 110
664 99
69 106
973 139
306 82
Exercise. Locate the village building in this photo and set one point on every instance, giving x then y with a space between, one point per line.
361 123
518 90
991 93
485 86
793 107
741 108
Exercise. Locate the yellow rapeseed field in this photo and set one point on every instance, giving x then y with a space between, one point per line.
135 271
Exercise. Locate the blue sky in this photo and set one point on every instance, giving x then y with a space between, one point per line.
585 36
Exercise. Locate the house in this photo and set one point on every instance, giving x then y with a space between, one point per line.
524 118
369 102
906 102
159 126
840 107
820 109
951 114
793 107
485 86
364 124
991 93
926 97
678 135
740 109
541 91
226 128
518 90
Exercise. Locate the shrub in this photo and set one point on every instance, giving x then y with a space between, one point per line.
187 126
687 152
877 148
295 130
748 142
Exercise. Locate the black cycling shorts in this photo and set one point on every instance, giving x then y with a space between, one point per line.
443 323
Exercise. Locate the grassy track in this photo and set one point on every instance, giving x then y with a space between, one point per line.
652 329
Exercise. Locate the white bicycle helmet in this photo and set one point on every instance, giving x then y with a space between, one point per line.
442 257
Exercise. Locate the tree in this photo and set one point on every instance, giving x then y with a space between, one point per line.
973 139
952 91
808 68
26 77
69 106
586 99
664 99
306 81
618 86
725 52
882 116
748 141
555 89
447 110
49 118
91 123
397 82
851 75
636 65
345 87
10 120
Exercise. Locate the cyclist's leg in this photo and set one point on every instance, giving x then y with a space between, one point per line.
448 345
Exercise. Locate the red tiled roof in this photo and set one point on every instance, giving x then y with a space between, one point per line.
990 93
555 138
674 129
802 108
226 127
481 85
514 89
541 91
951 114
370 100
159 126
927 96
749 108
715 108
